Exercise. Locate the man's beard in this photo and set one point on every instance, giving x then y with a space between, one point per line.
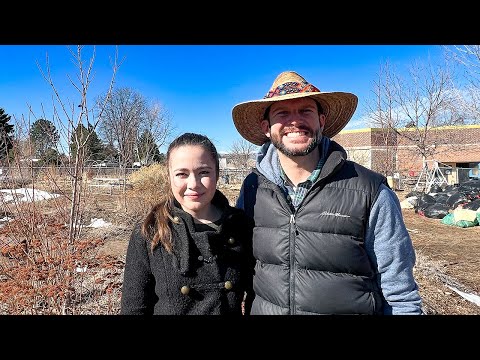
277 142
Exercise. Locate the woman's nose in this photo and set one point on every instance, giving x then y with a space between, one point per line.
192 181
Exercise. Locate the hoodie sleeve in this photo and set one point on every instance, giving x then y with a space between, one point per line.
240 204
390 249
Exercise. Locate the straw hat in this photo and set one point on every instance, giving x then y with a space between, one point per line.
338 107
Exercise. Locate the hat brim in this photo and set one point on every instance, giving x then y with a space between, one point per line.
338 108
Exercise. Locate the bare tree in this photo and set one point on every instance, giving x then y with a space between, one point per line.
45 251
22 143
69 115
383 116
125 111
467 79
157 124
241 153
127 114
418 110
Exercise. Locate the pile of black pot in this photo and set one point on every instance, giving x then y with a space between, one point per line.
441 200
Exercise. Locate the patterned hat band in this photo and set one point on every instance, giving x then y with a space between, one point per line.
290 88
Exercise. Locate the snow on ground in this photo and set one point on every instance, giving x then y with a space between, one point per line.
25 194
98 223
28 194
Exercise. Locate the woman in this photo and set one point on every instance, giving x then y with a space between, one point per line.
192 255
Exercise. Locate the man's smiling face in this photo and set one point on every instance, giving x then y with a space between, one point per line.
294 126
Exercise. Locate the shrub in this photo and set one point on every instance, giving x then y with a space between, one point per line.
149 186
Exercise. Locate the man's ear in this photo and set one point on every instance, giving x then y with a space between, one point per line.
322 119
265 125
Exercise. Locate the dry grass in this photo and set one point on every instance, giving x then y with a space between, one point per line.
148 188
446 256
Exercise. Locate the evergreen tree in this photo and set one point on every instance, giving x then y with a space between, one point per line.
111 153
52 157
80 132
148 151
6 134
162 159
44 136
94 149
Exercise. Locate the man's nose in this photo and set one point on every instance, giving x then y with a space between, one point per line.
295 117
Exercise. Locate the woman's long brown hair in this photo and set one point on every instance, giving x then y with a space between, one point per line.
161 214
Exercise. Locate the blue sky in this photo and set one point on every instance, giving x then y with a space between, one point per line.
199 84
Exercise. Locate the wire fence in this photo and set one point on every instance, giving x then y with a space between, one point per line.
60 178
233 176
98 179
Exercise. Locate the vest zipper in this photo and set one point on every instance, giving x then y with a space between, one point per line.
292 265
292 221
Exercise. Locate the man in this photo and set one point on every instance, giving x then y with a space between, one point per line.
329 234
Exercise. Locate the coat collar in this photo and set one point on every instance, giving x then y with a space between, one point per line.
185 230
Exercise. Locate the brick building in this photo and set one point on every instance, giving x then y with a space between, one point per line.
453 147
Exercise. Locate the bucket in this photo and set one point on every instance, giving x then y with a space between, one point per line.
390 181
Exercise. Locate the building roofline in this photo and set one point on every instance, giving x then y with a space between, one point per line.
410 129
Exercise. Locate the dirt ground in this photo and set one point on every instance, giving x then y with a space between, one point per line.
446 256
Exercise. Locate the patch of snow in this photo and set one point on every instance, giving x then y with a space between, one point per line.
26 194
98 223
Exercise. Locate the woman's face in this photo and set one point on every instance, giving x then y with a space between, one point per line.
193 178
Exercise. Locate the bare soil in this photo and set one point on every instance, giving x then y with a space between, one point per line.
446 256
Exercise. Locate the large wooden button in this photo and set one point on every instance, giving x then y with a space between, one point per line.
185 289
228 285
